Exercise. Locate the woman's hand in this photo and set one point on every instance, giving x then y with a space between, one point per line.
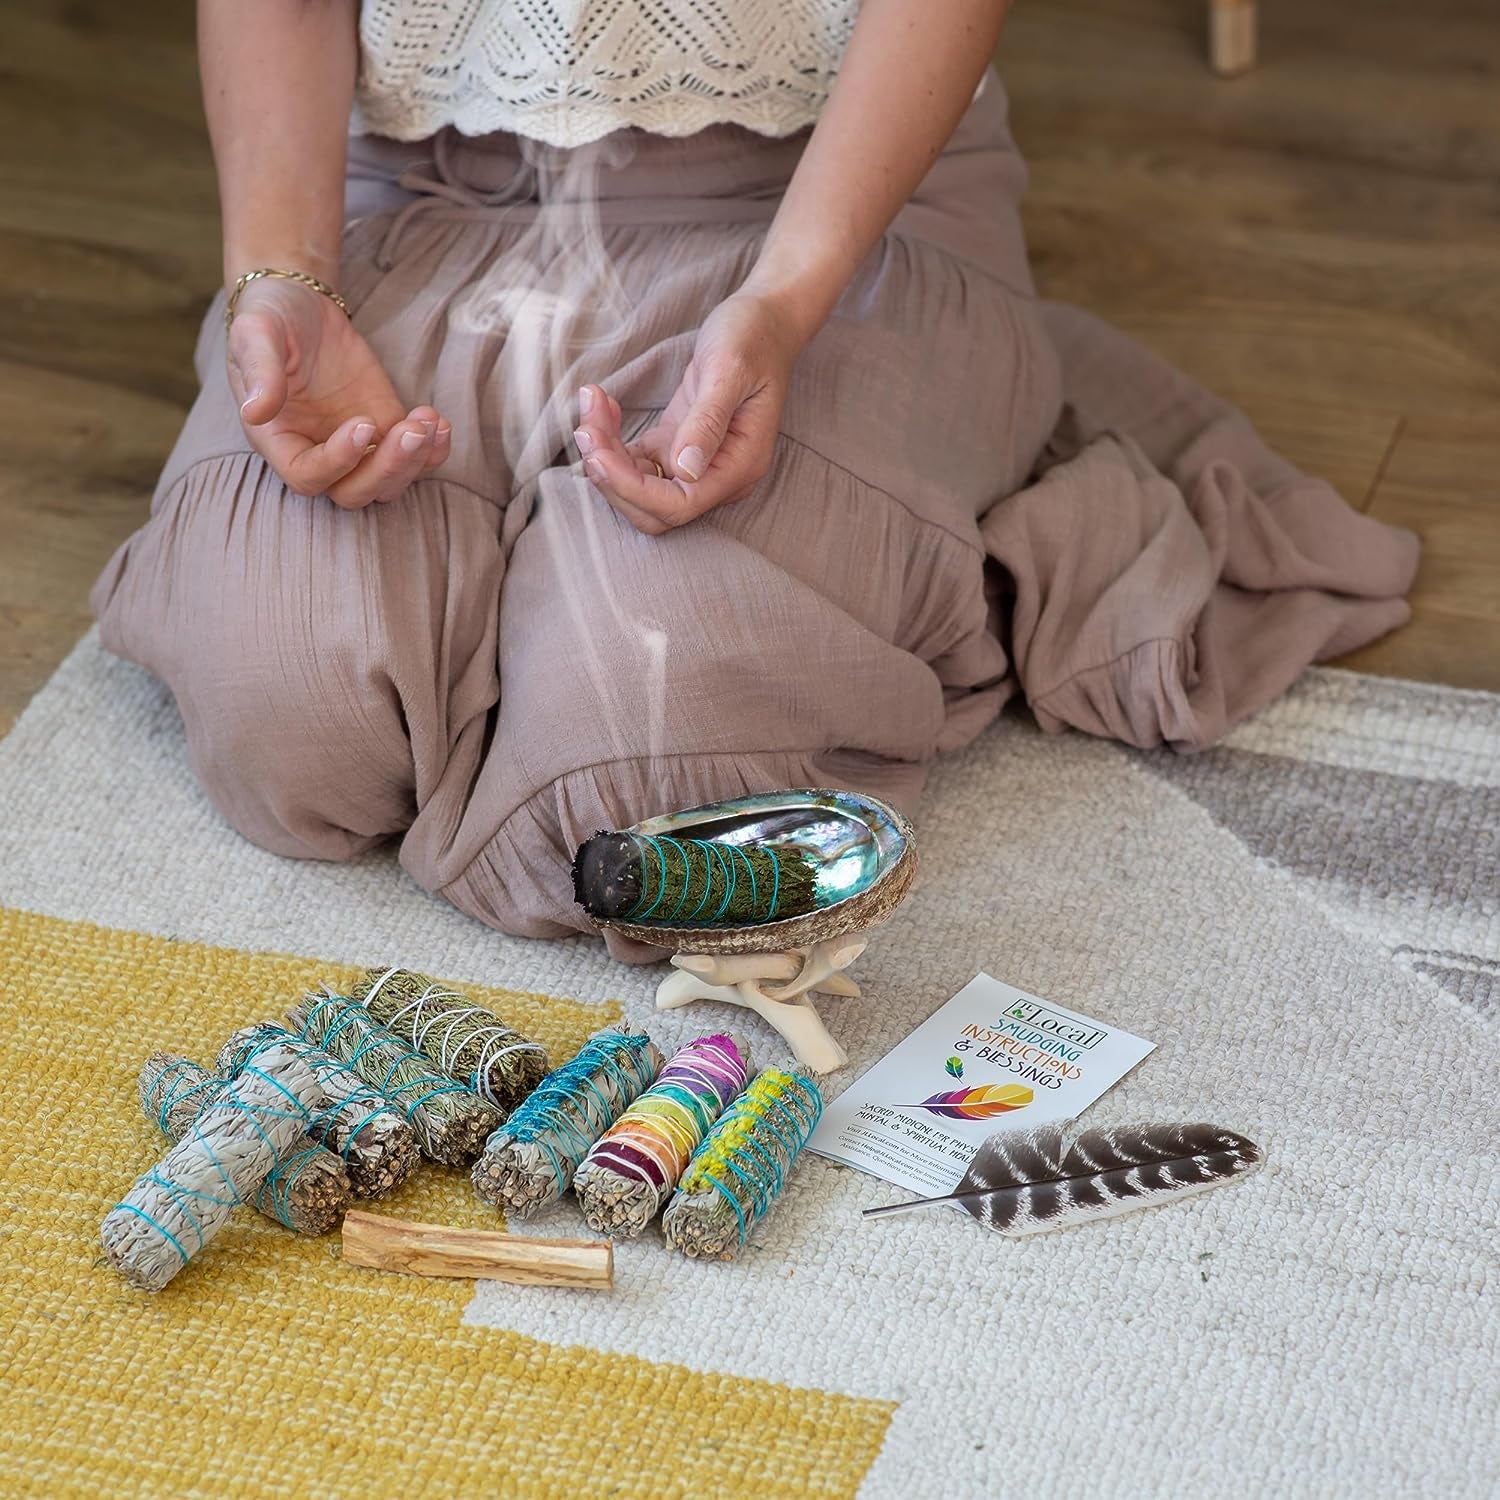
316 404
716 438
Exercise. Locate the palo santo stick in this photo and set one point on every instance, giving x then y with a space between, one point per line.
385 1244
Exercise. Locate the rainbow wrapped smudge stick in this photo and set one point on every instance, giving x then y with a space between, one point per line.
632 1168
742 1166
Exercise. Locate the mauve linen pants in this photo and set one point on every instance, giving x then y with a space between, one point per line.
497 665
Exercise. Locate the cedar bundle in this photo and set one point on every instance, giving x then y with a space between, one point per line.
450 1121
690 882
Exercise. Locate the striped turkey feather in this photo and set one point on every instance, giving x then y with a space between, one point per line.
1025 1181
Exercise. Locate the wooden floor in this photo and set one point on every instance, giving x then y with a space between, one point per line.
1318 240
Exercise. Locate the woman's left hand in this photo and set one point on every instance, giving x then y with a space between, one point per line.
716 438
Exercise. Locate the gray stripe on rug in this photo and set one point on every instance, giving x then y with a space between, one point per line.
1367 830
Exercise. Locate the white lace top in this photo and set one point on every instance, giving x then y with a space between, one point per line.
570 71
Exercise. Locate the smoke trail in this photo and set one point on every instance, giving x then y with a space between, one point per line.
557 300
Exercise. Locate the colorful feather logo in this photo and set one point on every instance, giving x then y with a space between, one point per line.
955 1065
982 1103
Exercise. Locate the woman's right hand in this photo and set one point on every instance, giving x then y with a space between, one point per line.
316 404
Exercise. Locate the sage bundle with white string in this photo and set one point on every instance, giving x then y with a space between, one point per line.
464 1039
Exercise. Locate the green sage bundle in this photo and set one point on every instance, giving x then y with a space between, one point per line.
358 1124
464 1039
173 1211
688 882
450 1121
531 1159
741 1168
307 1188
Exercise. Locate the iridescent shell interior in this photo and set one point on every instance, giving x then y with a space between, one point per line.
856 841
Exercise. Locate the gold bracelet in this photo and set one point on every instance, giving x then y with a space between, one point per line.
300 276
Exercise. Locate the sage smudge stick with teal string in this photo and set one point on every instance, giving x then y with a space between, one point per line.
450 1121
685 882
464 1039
531 1159
173 1211
633 1167
307 1188
742 1166
358 1123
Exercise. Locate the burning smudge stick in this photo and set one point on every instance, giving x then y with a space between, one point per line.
307 1188
633 1167
173 1211
531 1159
653 878
464 1039
741 1168
450 1121
358 1123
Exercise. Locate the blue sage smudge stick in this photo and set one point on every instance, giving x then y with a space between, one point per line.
530 1161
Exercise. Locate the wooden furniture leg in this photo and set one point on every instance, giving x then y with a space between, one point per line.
1231 36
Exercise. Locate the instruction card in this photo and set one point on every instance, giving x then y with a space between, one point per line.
993 1058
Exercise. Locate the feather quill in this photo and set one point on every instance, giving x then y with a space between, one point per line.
1025 1181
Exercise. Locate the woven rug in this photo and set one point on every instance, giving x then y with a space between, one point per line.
1307 922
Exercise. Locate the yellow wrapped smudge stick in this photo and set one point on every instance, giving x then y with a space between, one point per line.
741 1168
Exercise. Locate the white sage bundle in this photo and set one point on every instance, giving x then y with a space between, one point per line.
358 1124
173 1211
531 1159
307 1188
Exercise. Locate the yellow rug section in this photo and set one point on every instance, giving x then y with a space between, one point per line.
269 1368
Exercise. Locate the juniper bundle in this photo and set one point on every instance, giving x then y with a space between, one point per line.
307 1188
691 882
633 1167
358 1124
450 1121
531 1159
175 1209
741 1168
464 1039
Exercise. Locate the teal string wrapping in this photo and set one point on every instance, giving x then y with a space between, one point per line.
741 1168
173 1212
376 1144
307 1188
451 1122
531 1159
